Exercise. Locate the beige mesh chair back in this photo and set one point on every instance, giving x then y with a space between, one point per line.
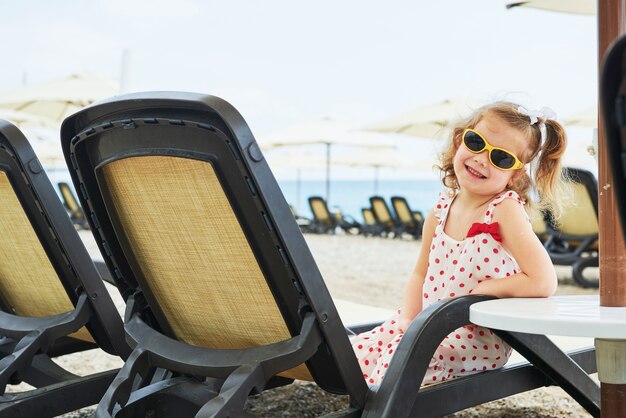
368 216
52 300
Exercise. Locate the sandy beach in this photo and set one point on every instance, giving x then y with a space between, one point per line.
369 271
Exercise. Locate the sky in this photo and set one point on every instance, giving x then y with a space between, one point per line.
282 62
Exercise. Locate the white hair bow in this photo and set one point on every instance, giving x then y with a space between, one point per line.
540 115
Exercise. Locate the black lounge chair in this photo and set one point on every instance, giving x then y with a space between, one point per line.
370 225
73 208
388 223
223 297
574 240
323 221
410 221
52 300
326 222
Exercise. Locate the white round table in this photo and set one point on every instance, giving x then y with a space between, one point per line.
575 316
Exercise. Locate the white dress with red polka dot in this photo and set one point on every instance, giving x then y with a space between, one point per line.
454 269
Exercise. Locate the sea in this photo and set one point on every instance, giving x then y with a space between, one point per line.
351 195
347 195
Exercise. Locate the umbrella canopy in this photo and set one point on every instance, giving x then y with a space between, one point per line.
21 119
377 159
587 118
324 131
299 159
583 7
46 144
432 121
327 132
57 99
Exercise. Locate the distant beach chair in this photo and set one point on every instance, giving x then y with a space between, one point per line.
384 217
242 306
52 300
574 241
410 221
346 222
323 221
370 225
73 208
326 222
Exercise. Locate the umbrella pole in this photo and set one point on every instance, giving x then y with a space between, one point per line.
376 180
327 172
298 180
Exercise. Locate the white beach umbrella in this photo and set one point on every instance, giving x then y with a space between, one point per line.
327 132
20 119
377 159
583 7
431 121
587 118
324 131
57 99
46 143
299 159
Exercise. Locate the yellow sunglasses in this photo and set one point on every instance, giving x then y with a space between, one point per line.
498 157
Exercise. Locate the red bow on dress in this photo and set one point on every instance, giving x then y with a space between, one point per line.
492 228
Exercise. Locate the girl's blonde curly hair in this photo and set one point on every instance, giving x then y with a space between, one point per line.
543 178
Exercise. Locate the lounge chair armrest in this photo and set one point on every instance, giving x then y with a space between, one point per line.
359 328
398 390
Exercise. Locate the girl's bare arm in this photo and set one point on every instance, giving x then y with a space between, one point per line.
412 303
537 277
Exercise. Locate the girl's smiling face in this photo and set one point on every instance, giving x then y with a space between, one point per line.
474 172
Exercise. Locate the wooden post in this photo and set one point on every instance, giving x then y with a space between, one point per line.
611 24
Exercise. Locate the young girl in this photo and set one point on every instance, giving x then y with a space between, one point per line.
478 239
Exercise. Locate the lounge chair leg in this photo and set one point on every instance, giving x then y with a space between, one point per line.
234 393
21 356
53 400
577 272
119 391
558 366
43 372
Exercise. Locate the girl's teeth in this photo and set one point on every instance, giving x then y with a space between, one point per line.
474 172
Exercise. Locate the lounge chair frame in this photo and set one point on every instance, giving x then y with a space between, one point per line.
187 379
28 343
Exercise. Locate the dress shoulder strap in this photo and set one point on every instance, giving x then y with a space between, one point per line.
507 194
442 207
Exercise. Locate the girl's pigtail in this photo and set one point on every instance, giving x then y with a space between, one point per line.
548 173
